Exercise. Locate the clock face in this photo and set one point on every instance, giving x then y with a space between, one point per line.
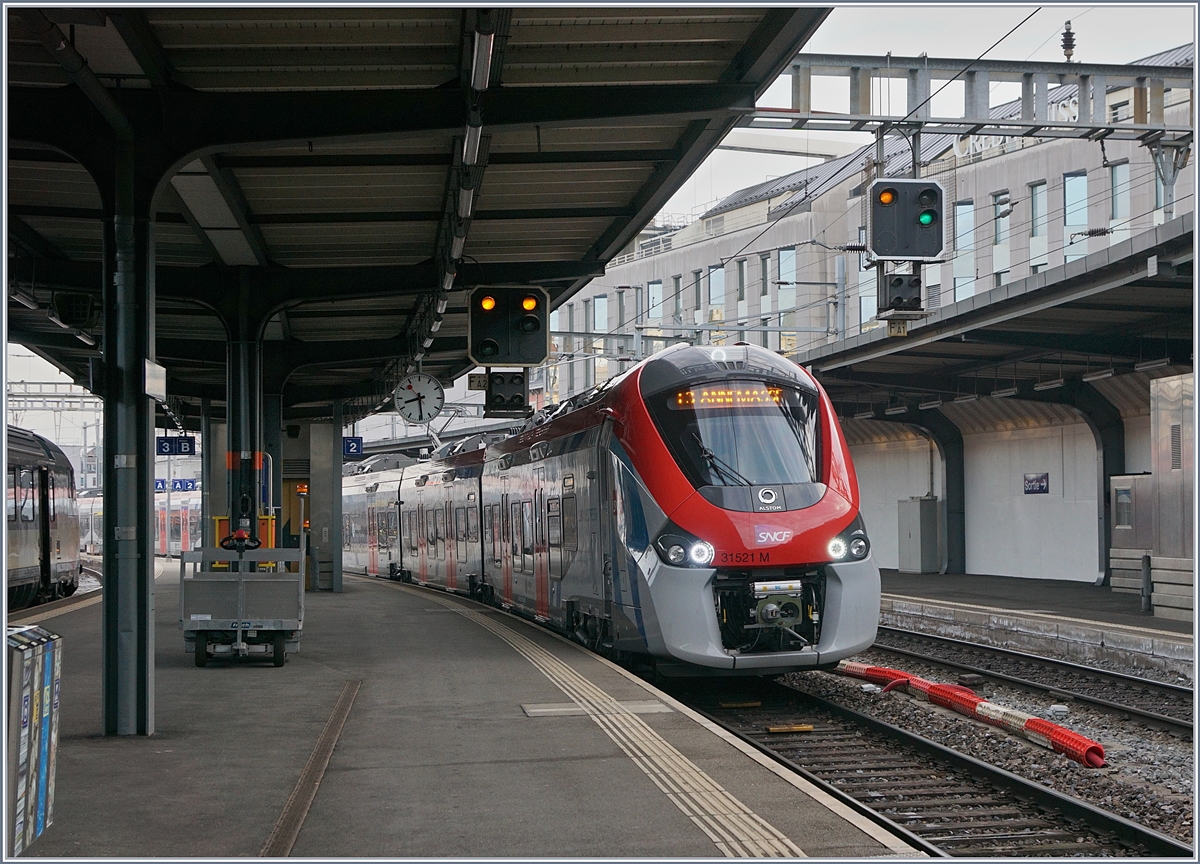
419 398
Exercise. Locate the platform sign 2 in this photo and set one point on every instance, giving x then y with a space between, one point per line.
1037 484
352 446
183 484
175 445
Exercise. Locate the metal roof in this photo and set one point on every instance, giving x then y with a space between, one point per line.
1031 341
326 137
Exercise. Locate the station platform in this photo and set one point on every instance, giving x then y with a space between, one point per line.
413 723
1073 620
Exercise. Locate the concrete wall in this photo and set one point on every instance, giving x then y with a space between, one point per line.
325 497
887 473
1051 536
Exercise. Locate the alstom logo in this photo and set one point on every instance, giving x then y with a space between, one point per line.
771 535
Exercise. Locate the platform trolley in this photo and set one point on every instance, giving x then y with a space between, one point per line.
238 613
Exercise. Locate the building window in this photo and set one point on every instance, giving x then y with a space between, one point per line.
1000 205
1119 184
654 289
1039 213
1074 215
696 274
766 322
1075 200
964 287
716 293
677 294
1001 278
620 308
1118 112
600 307
741 277
964 226
1036 268
764 280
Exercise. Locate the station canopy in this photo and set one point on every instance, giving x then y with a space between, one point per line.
321 150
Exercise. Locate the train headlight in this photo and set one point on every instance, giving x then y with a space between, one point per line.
701 553
681 548
852 544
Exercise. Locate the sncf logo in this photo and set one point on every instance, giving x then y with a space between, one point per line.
771 535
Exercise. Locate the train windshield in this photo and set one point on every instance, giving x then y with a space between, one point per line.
740 433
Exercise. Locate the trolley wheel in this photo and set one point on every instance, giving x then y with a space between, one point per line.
280 649
201 648
66 589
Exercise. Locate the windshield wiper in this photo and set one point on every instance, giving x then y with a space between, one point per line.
720 466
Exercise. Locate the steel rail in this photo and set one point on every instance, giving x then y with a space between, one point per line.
1176 723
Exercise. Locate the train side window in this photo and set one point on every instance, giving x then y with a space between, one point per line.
11 494
514 525
439 527
28 506
381 529
527 527
460 524
50 495
570 523
497 532
472 525
554 521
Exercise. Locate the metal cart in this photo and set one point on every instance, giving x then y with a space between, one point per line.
241 613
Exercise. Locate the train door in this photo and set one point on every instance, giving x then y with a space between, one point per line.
372 544
541 563
506 550
161 510
451 546
422 545
185 533
44 498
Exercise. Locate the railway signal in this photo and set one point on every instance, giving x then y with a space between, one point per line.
907 219
507 393
508 326
902 291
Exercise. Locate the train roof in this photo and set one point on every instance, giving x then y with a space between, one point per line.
25 447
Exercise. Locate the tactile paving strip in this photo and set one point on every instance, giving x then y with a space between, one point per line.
735 830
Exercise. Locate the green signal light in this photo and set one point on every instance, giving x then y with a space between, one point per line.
927 217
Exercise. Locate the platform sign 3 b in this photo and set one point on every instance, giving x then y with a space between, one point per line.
175 445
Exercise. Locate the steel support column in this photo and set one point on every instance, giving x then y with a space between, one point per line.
128 612
243 383
950 444
272 438
336 517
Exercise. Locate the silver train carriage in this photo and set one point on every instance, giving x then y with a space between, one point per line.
43 521
699 511
175 530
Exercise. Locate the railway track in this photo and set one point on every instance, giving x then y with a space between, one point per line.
946 803
1167 706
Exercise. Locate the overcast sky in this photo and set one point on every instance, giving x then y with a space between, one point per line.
1103 34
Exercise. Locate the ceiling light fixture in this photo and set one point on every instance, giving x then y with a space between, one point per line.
481 63
1051 384
1146 365
864 415
1005 391
896 409
966 397
1099 374
932 403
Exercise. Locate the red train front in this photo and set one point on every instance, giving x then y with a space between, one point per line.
700 508
740 512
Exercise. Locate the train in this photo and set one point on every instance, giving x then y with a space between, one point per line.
43 521
696 515
179 510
